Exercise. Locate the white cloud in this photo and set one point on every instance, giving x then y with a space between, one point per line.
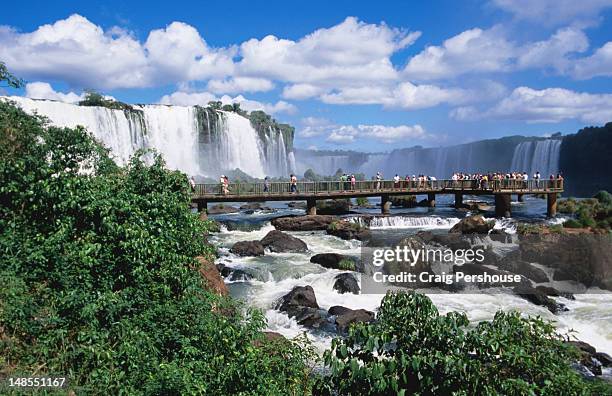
81 53
43 90
489 51
348 52
553 52
315 126
545 106
301 91
598 64
344 134
183 98
473 50
240 84
550 12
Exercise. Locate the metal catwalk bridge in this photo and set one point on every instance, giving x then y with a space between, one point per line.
310 192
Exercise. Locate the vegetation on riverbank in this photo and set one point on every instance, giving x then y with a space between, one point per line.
594 212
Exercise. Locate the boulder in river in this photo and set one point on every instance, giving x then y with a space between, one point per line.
248 248
520 267
303 223
346 316
346 283
551 291
539 298
589 358
222 209
278 241
301 303
473 225
334 261
348 230
333 207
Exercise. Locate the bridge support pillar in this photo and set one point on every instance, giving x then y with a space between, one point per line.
520 198
551 205
458 200
502 205
311 206
431 200
385 204
202 210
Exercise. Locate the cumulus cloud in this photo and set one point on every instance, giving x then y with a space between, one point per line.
555 11
348 52
489 51
545 106
240 84
345 134
76 51
598 64
43 90
315 126
183 98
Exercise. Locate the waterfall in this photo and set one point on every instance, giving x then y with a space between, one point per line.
197 140
534 156
383 222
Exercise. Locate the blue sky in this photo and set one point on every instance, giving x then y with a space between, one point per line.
348 75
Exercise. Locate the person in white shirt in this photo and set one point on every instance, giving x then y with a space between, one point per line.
396 181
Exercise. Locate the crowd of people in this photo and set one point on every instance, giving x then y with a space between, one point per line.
348 182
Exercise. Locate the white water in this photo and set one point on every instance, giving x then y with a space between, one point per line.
397 222
275 274
225 141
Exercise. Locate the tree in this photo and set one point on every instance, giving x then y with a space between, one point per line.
8 78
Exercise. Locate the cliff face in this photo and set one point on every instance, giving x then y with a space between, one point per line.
585 161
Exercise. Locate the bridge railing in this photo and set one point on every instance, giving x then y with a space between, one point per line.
367 186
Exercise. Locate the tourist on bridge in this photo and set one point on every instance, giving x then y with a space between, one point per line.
353 181
293 183
396 181
192 184
536 177
378 179
266 185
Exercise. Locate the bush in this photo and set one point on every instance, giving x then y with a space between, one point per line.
93 98
362 201
346 265
572 223
99 280
412 349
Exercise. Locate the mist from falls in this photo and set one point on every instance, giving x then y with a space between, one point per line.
519 154
197 140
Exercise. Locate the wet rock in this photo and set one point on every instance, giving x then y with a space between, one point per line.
298 297
588 357
334 261
346 316
348 230
603 358
222 209
303 223
583 257
248 248
210 273
524 268
539 298
296 205
346 283
251 206
278 241
500 235
403 201
551 291
473 225
238 275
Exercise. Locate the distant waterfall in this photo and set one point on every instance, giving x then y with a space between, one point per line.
537 156
197 140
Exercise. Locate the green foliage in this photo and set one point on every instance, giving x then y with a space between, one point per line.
413 350
346 265
215 105
93 98
263 122
362 201
593 212
99 279
7 77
